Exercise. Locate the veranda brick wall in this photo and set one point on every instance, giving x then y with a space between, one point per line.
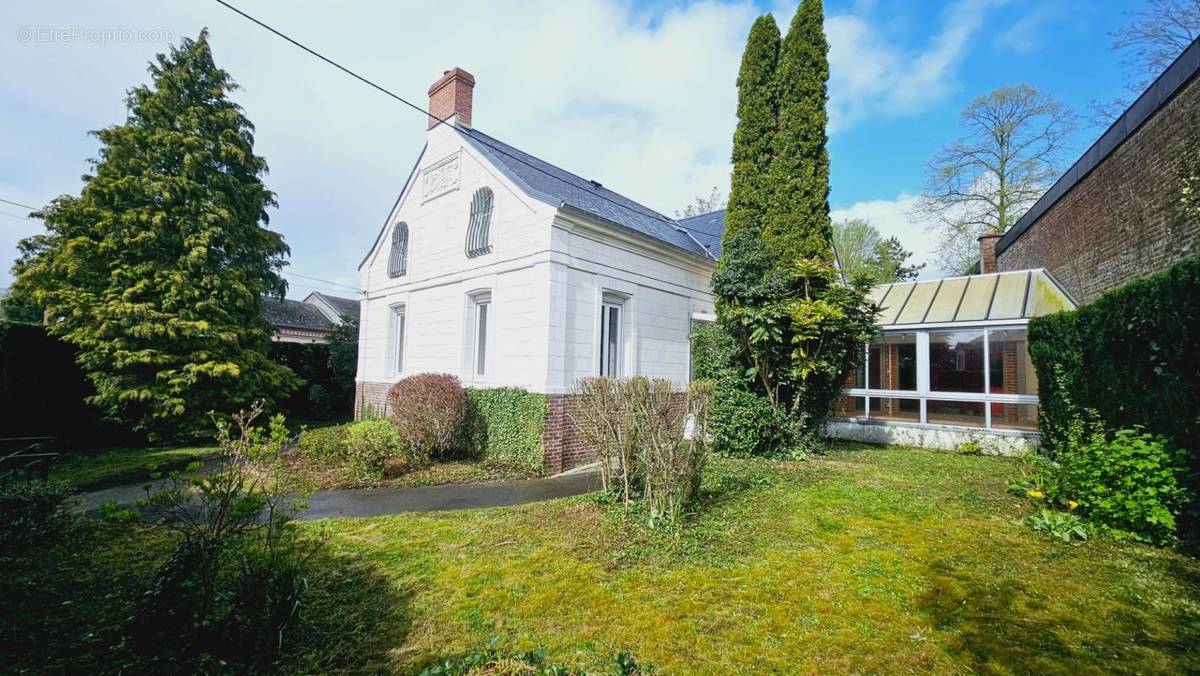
1121 221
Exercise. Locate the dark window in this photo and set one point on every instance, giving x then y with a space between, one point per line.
398 260
479 228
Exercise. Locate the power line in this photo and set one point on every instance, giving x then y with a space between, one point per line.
318 279
18 204
441 121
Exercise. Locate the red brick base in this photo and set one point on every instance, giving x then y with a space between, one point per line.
370 398
563 446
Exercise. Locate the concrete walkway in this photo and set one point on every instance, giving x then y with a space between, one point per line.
383 501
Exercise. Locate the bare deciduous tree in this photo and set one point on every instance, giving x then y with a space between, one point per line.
703 205
1013 148
1151 40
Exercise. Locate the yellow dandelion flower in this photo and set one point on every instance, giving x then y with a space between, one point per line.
1036 495
1071 504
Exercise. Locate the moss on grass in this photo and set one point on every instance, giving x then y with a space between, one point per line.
866 561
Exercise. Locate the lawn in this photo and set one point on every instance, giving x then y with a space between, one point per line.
99 469
328 474
865 560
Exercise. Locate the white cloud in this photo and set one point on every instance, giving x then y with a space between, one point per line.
643 102
871 75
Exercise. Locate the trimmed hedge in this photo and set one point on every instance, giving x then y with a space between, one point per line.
1132 354
505 426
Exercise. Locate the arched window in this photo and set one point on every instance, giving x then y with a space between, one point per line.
398 260
479 229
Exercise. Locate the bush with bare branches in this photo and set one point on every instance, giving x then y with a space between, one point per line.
652 441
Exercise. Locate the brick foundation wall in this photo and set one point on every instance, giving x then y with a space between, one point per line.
1122 220
370 396
563 446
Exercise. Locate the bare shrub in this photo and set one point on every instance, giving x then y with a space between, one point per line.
657 437
428 411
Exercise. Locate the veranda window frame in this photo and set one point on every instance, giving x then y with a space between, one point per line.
924 394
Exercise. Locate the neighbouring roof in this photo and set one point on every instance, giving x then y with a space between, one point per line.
293 314
345 307
1172 80
1020 294
559 187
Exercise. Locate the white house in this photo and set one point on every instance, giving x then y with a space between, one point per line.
505 270
508 271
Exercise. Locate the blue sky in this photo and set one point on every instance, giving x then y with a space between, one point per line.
639 96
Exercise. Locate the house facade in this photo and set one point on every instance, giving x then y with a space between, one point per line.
1114 215
507 271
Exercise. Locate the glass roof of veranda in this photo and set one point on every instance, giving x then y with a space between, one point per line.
1017 295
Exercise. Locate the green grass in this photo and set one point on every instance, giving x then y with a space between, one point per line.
865 560
92 470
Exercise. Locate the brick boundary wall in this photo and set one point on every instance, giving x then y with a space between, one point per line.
1122 220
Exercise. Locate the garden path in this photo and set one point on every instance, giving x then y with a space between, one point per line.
382 501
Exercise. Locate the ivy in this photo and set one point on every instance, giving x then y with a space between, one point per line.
505 426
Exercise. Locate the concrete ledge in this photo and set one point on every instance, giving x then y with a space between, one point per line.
937 437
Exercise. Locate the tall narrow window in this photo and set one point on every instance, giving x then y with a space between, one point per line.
610 339
479 341
479 228
398 259
399 328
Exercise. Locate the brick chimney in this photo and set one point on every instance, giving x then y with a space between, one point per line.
987 251
451 95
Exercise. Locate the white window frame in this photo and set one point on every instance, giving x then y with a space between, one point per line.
398 337
481 308
924 393
608 307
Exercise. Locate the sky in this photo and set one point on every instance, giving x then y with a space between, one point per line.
637 95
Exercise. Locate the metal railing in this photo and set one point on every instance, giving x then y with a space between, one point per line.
25 458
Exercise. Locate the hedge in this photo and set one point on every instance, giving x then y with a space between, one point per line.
1132 354
321 396
505 426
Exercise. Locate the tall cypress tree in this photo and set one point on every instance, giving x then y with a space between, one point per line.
797 220
157 269
757 119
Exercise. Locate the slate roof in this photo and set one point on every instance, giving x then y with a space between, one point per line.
345 307
559 187
707 229
293 314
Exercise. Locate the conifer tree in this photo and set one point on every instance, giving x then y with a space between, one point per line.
755 129
157 269
797 221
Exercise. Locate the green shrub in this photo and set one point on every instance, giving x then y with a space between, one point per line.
33 511
1128 482
1132 355
505 426
744 423
429 411
323 443
1063 526
370 444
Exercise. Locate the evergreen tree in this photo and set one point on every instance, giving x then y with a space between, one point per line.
797 221
756 127
157 269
